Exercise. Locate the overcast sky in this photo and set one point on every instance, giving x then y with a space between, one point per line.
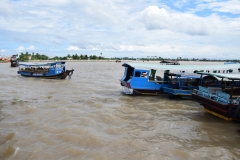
122 28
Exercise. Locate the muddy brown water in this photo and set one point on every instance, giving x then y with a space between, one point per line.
87 117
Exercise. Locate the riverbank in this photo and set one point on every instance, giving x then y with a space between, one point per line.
4 61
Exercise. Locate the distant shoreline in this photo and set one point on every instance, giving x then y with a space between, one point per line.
122 61
136 61
75 61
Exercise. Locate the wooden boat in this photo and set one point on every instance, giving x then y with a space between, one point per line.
223 99
54 70
170 62
118 61
14 61
132 81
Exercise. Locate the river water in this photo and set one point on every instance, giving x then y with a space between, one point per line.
87 117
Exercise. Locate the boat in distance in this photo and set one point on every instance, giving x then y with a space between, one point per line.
14 61
54 70
169 62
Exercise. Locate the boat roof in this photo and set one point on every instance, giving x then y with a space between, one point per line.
180 67
184 75
231 76
43 64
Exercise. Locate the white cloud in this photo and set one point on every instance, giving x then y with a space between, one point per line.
230 6
73 48
31 48
158 18
6 8
155 18
20 48
180 3
2 50
54 2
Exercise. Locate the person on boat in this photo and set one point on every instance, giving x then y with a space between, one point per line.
144 74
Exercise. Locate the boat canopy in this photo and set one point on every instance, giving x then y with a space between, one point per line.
43 64
230 76
184 75
180 67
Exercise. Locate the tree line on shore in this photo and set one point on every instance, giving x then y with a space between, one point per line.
36 56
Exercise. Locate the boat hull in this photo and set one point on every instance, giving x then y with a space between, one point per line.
225 110
14 63
148 88
178 92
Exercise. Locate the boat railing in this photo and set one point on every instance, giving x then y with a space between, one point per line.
219 95
205 92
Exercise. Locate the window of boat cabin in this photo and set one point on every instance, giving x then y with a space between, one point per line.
144 74
52 66
137 74
58 65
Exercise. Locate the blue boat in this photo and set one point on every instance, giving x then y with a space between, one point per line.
54 70
222 100
146 78
140 81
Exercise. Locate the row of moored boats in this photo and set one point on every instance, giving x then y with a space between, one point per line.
216 87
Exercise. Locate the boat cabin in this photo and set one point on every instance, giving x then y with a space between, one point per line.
50 68
140 81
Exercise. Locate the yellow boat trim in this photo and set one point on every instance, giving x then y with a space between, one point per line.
218 115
